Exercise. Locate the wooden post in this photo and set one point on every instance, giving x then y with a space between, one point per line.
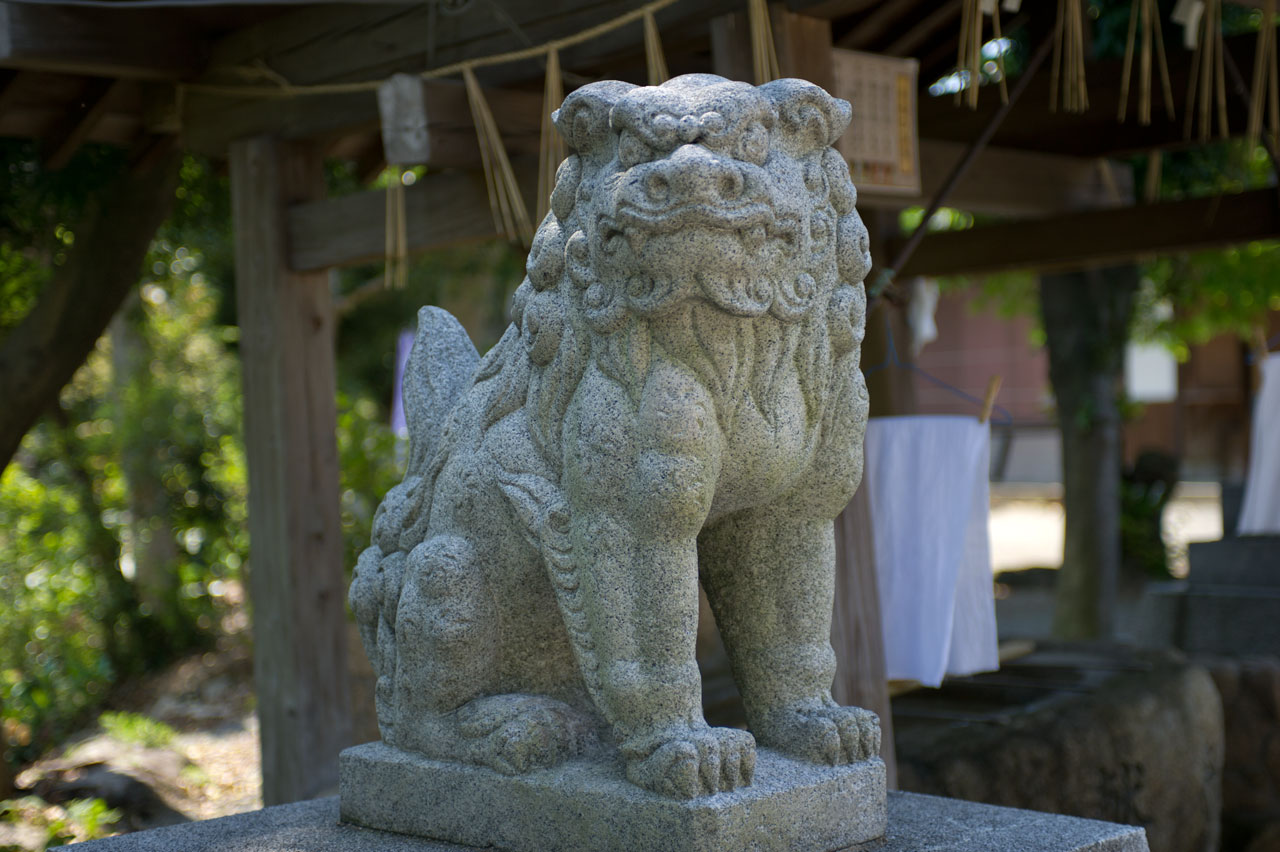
296 582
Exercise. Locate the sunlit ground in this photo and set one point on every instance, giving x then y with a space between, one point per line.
1026 524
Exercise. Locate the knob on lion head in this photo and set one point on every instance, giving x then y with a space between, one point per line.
677 399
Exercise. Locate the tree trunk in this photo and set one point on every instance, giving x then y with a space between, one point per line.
149 536
40 354
1086 320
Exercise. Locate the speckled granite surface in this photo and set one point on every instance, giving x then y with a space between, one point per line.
677 399
916 824
588 806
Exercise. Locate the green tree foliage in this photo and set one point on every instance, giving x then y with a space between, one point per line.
144 460
73 620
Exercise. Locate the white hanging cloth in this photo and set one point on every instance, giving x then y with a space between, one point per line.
1260 512
929 494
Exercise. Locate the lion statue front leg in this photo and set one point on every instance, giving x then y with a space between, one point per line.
640 478
768 575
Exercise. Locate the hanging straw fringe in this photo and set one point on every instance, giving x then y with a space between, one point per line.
395 270
1208 81
764 56
551 147
653 57
1151 185
1149 13
969 56
1265 74
510 218
1068 59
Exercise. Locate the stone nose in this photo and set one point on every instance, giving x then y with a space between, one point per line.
694 175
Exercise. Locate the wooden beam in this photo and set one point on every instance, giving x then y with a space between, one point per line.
1009 182
212 122
946 13
1099 237
452 207
80 120
8 86
877 24
440 210
296 580
147 44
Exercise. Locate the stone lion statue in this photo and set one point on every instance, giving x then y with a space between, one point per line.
677 399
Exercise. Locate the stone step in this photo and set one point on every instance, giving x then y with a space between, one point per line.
915 823
1231 620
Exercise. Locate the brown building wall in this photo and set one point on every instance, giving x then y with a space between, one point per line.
1207 427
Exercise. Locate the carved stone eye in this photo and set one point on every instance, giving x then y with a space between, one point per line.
632 150
753 146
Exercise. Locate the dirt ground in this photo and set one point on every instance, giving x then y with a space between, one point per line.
1026 524
209 768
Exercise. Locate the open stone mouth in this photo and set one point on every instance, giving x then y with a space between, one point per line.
754 225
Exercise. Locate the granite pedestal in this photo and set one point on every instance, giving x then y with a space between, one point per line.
916 824
588 806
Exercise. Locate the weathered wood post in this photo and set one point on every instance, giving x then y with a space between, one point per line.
296 583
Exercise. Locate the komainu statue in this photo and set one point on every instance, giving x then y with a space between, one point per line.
677 398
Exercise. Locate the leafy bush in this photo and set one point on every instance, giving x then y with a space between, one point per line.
138 729
74 822
53 664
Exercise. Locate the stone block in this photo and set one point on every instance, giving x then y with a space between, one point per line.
915 823
1231 620
588 806
1252 560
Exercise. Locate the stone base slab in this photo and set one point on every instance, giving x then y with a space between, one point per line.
916 823
588 806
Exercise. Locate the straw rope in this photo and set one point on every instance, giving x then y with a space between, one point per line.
1068 75
969 53
510 217
1207 86
551 147
1266 88
1146 13
764 55
654 61
285 89
395 272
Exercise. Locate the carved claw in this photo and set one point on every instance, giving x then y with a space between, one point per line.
517 733
689 762
822 732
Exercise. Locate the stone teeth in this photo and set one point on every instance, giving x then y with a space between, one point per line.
637 238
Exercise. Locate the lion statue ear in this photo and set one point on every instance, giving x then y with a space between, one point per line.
808 117
583 119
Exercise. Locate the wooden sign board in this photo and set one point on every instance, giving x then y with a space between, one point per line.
882 144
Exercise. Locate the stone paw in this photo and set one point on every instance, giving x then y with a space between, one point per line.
517 733
822 731
691 760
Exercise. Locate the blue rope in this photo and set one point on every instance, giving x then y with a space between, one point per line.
892 360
